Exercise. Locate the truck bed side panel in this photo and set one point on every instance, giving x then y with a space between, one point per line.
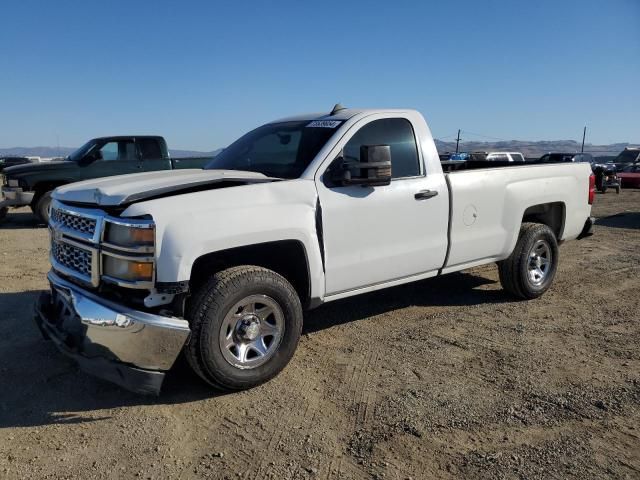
488 207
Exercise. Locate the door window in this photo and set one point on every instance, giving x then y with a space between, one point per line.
122 150
149 148
109 151
395 132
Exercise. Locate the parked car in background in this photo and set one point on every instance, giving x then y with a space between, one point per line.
630 175
630 155
605 173
33 184
219 263
567 157
6 162
498 156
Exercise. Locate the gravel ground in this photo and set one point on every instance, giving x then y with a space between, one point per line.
445 378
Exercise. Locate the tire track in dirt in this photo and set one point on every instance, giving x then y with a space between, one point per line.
362 399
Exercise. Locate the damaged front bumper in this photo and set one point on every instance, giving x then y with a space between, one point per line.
131 348
15 197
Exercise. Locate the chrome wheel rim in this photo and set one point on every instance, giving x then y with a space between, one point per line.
251 331
540 259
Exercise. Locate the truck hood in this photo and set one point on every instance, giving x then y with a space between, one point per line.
19 171
127 189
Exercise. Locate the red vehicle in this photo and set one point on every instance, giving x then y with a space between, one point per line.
629 175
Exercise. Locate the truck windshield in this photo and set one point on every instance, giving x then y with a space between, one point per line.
82 151
282 150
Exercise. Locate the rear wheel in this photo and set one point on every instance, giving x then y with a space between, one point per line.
3 213
245 326
531 267
43 206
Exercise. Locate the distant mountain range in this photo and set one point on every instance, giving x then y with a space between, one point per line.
529 149
533 149
52 152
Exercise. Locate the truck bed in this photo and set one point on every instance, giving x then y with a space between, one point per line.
488 205
457 165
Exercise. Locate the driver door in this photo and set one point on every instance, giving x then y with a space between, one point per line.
115 157
374 235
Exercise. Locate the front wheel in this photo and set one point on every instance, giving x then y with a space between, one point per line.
245 326
531 267
43 207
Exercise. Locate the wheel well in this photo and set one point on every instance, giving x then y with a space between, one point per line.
550 214
286 257
42 188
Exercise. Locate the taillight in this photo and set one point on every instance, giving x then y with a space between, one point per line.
592 188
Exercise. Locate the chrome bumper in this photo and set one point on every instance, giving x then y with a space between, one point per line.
111 341
15 197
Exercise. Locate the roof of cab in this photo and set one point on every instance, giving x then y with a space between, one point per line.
126 137
342 114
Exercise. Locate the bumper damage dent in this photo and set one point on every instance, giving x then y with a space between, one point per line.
130 348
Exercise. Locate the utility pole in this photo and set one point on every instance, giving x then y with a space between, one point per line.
584 134
458 141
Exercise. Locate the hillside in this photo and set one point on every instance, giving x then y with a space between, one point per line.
50 152
529 149
532 149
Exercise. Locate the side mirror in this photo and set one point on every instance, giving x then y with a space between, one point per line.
91 157
373 169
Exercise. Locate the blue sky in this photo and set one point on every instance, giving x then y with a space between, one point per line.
202 73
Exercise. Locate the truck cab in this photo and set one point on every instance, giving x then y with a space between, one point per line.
33 184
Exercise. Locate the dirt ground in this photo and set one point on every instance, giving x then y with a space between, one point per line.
445 378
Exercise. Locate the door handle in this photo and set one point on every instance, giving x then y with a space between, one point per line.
425 194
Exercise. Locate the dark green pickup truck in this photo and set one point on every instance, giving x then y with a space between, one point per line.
101 157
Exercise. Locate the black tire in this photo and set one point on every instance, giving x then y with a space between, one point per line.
514 271
213 302
3 213
618 190
603 190
42 206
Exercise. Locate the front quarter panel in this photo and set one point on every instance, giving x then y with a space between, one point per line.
192 225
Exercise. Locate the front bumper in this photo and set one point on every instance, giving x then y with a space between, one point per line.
15 197
128 347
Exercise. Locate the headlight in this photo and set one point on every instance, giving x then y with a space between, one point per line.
13 182
128 251
131 235
127 269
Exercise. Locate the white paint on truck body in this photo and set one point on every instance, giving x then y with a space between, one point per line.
373 237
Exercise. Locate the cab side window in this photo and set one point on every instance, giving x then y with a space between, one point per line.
149 148
121 150
395 132
109 151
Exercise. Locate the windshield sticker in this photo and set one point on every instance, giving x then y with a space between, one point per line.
324 123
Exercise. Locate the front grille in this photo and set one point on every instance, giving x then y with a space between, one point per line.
72 257
73 222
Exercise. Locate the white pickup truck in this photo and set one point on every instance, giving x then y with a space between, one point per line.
220 263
